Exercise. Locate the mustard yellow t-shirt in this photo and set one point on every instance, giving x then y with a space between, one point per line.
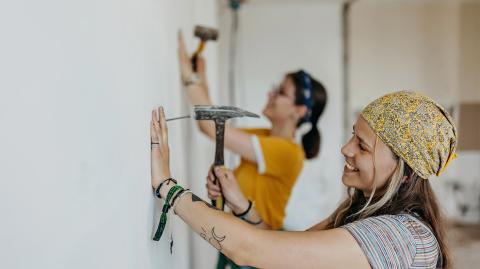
269 182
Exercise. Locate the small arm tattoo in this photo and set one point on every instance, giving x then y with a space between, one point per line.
198 199
214 239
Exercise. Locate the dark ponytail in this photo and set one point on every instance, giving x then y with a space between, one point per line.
311 140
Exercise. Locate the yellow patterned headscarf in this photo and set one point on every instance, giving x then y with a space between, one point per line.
417 129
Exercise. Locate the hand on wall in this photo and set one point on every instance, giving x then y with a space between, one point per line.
160 166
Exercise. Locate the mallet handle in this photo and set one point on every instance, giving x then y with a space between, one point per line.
197 53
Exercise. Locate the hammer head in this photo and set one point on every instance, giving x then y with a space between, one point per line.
220 113
206 33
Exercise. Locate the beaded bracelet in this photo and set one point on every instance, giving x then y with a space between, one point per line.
157 190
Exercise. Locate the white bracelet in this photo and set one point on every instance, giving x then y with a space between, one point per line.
178 200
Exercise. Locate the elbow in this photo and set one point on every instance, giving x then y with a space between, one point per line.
239 259
243 254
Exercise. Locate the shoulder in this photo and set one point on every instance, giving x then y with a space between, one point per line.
256 131
395 240
281 148
278 156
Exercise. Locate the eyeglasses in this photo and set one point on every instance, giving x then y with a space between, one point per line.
278 90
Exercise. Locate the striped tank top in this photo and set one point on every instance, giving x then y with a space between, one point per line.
395 241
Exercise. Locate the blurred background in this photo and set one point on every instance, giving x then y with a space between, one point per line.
78 80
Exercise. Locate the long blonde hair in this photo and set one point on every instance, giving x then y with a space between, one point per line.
405 192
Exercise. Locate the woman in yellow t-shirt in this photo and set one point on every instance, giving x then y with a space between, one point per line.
270 159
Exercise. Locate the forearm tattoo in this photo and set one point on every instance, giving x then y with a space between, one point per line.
212 238
198 199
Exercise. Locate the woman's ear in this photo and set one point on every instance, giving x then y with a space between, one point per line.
301 110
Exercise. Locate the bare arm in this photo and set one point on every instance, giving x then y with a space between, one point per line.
243 243
235 140
246 245
319 226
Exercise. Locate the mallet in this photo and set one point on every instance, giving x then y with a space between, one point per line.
205 34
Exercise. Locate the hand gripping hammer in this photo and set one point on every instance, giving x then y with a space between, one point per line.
220 114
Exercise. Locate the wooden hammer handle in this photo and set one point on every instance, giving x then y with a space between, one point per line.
219 154
197 53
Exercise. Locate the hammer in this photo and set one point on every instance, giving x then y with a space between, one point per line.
219 114
205 34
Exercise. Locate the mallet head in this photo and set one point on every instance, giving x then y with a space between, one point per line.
206 33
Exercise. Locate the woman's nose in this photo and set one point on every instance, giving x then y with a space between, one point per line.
348 149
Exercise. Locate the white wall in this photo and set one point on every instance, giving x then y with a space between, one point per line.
430 46
403 45
276 37
469 52
77 82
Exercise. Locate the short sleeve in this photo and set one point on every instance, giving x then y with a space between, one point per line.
390 241
277 157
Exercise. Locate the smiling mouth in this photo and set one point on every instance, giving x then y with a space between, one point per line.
350 167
